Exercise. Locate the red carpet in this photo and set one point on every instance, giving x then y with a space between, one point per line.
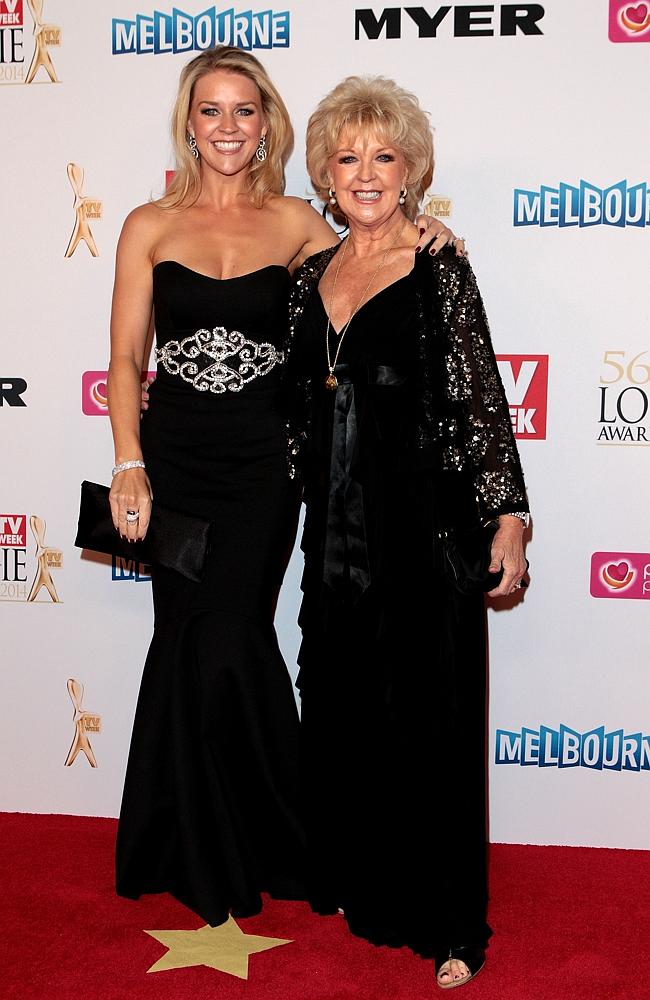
569 923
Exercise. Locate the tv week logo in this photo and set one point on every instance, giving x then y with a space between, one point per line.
525 380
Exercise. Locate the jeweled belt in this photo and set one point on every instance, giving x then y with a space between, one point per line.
218 360
345 543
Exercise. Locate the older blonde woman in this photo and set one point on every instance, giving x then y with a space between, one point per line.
401 431
209 809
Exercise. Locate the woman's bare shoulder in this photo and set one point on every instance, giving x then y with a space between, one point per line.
146 219
144 228
296 210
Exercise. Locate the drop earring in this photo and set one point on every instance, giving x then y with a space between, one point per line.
402 195
332 196
260 152
191 142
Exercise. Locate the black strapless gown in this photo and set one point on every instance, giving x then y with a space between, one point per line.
209 811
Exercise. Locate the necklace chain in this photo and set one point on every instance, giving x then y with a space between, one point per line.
331 380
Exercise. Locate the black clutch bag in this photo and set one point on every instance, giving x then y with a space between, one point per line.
175 540
468 554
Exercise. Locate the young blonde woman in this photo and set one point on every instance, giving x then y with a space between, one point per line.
209 808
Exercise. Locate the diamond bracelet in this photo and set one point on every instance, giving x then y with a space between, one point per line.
134 463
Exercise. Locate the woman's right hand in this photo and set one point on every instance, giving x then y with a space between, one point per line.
131 491
144 392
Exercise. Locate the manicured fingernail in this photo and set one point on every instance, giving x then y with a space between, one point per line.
421 232
417 249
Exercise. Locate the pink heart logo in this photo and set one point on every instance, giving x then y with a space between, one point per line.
102 389
637 14
618 572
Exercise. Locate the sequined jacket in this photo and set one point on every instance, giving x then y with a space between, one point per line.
464 432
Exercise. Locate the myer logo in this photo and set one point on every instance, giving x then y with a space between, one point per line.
525 380
11 391
467 20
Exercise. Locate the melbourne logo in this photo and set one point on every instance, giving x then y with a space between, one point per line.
624 399
129 570
84 723
159 32
620 575
566 747
467 21
13 43
11 391
14 559
583 205
525 380
629 22
85 209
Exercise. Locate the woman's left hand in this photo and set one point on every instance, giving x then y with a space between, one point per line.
436 235
508 551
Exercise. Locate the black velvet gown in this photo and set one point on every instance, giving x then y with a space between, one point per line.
392 660
210 809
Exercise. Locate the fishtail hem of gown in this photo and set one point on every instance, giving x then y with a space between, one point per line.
426 944
215 916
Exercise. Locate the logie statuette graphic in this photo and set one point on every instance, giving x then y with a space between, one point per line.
47 559
85 209
84 723
45 35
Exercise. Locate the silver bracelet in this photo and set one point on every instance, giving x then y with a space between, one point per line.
522 515
134 463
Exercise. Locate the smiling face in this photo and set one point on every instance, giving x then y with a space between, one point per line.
367 176
227 120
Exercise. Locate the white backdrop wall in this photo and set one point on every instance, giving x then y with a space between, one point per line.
512 112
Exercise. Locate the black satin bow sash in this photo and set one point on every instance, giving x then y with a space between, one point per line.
345 544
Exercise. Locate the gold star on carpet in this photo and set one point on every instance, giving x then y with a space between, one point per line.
225 948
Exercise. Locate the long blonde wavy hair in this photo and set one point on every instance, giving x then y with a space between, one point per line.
264 177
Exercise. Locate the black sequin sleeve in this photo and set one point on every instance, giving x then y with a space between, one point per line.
295 397
483 438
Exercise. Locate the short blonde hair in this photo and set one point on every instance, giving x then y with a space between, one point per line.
264 177
365 104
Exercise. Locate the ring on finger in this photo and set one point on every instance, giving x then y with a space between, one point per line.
132 516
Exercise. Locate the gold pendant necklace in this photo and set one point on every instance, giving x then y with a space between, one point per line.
331 381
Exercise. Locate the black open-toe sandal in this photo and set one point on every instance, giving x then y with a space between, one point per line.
472 957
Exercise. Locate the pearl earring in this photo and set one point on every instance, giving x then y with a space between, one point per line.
402 195
332 194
